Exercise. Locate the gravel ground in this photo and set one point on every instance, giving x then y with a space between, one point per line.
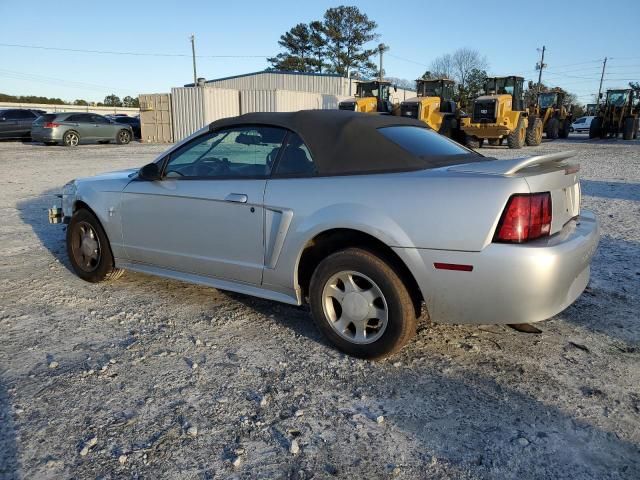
151 378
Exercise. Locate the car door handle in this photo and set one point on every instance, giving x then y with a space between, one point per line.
236 197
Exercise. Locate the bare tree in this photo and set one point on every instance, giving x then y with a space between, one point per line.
464 61
442 67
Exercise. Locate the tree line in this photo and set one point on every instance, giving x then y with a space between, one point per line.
339 43
109 101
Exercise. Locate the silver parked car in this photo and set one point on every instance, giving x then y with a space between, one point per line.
370 219
74 128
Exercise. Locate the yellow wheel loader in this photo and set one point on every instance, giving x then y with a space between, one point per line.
435 106
554 115
618 115
500 115
372 97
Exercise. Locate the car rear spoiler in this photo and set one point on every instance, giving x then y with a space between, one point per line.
510 167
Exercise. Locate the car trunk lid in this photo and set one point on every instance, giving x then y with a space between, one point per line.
543 173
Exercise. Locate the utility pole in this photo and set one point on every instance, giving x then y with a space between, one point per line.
193 53
540 66
381 49
604 64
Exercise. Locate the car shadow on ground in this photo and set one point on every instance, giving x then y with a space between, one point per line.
498 430
9 464
613 190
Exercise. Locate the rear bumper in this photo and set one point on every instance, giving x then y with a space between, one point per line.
46 135
509 283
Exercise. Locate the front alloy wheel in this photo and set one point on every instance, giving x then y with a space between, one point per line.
85 247
124 137
89 250
71 139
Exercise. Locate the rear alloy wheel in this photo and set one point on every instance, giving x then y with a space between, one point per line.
517 136
71 139
628 128
534 132
361 305
88 249
553 128
123 137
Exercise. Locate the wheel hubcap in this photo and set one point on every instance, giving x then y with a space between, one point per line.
355 307
86 247
124 136
73 139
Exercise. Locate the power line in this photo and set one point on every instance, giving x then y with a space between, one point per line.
407 60
55 81
136 54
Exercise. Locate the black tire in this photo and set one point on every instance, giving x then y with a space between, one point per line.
123 137
471 141
595 129
628 128
85 225
553 128
401 311
71 138
564 130
517 136
534 132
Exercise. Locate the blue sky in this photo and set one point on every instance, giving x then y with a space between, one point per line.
577 36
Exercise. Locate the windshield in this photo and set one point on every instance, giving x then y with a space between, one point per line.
430 89
500 86
617 99
546 100
370 89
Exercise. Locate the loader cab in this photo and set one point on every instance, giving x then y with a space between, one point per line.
548 99
619 98
370 97
511 85
441 88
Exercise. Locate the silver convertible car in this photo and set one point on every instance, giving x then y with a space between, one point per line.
372 220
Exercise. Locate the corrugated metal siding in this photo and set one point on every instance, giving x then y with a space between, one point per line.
257 101
155 118
187 110
287 81
288 101
220 103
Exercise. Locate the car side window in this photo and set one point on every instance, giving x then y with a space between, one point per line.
12 114
240 152
99 119
80 118
24 115
296 159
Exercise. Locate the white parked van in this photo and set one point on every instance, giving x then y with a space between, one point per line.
582 124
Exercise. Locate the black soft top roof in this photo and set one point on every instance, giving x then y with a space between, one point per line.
344 142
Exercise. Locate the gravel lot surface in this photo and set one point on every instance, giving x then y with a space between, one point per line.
151 378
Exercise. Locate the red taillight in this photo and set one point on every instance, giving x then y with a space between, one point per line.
51 125
526 217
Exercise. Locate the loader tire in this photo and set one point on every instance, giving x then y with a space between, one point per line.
516 138
472 141
553 128
627 128
595 129
494 142
564 130
534 132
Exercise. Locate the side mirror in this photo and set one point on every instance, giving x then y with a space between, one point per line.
149 172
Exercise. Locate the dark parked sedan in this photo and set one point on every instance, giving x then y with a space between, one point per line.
73 128
16 122
133 122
